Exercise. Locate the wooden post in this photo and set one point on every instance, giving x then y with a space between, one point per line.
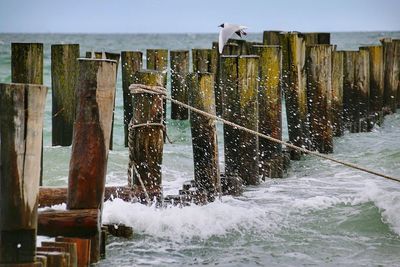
92 130
396 69
376 77
112 56
294 84
68 247
82 248
337 93
64 74
204 60
239 83
21 124
229 49
243 47
146 133
361 92
319 91
271 37
27 67
270 110
229 89
204 133
27 63
179 91
131 61
348 86
390 90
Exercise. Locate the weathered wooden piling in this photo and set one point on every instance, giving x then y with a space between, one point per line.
92 129
131 61
312 38
64 75
270 110
337 93
82 248
319 92
242 46
396 69
390 89
146 132
179 69
27 67
229 49
376 77
361 92
67 247
27 63
271 37
348 86
204 133
21 124
239 83
111 56
204 60
294 84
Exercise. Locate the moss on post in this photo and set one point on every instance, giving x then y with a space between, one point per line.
337 93
146 141
204 133
131 61
270 110
319 93
179 91
271 37
64 75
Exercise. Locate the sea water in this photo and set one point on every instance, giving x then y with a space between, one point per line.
321 214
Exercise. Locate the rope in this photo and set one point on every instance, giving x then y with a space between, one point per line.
304 150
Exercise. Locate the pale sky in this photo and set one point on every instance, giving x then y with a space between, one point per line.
185 16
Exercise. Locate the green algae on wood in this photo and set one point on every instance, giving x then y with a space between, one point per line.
179 91
64 75
270 110
131 61
204 133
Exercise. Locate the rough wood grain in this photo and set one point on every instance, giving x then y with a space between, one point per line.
64 75
21 124
337 93
179 69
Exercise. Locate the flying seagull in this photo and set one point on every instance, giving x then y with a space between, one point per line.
227 30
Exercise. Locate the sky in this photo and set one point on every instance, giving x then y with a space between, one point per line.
202 16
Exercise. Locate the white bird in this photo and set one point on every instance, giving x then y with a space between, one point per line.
227 30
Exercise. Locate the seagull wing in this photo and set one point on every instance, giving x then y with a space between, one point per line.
224 34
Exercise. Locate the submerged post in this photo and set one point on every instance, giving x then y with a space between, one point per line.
146 133
179 91
21 124
337 93
131 61
270 110
92 130
318 66
64 75
204 133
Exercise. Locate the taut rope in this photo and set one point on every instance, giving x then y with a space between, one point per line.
161 90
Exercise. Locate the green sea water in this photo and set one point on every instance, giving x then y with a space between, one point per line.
321 214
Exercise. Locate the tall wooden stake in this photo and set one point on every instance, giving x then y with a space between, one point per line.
64 75
92 130
204 133
270 110
179 91
131 61
21 124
